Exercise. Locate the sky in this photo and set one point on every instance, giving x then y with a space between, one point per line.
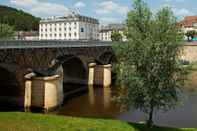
107 11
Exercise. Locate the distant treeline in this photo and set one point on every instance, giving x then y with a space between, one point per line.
20 20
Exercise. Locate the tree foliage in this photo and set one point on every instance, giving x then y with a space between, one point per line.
6 31
149 74
18 19
116 36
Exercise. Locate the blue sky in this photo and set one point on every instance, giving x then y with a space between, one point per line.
107 11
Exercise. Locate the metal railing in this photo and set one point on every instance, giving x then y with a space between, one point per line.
12 44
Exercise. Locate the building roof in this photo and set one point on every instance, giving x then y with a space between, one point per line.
112 27
188 21
70 18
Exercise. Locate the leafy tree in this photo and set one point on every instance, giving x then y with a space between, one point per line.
20 20
149 74
116 36
190 34
6 31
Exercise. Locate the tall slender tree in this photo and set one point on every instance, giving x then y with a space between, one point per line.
149 74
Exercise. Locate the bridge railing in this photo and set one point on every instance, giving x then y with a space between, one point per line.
6 44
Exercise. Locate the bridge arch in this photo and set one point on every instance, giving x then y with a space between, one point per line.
75 69
107 57
10 89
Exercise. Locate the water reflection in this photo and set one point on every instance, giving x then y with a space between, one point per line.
91 96
97 102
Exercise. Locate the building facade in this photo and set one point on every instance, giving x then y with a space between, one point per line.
71 27
26 35
106 31
189 23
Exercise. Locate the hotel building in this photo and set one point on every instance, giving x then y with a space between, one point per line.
70 27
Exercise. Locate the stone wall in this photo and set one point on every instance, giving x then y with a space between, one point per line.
189 52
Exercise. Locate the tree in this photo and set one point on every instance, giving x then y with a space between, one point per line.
6 31
149 74
190 34
116 36
21 20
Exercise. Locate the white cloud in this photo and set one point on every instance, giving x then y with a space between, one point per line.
79 5
23 2
108 7
109 20
175 0
182 12
49 9
39 8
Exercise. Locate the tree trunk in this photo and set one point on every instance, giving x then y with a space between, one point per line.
150 119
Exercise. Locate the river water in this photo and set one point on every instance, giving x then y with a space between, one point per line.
97 103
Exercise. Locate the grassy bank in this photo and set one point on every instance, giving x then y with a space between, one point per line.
16 121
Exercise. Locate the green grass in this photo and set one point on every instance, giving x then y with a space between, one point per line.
17 121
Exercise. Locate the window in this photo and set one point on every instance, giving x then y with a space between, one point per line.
50 35
69 34
60 35
45 29
65 28
45 35
65 35
60 29
70 28
75 34
55 35
82 29
50 29
55 29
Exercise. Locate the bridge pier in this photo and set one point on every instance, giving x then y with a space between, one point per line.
43 92
99 75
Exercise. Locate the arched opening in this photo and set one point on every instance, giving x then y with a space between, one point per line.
75 71
9 90
107 58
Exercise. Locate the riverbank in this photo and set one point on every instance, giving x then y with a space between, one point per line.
18 121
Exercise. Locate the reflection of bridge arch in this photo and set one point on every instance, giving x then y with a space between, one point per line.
9 87
75 69
107 57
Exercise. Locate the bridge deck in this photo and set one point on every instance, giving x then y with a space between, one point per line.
19 44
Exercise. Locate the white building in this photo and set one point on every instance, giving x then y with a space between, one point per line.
71 27
106 31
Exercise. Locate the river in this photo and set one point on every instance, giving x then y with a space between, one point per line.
97 103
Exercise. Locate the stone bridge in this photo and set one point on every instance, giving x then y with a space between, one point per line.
17 58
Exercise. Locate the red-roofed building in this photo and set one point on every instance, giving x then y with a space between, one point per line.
27 35
189 23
